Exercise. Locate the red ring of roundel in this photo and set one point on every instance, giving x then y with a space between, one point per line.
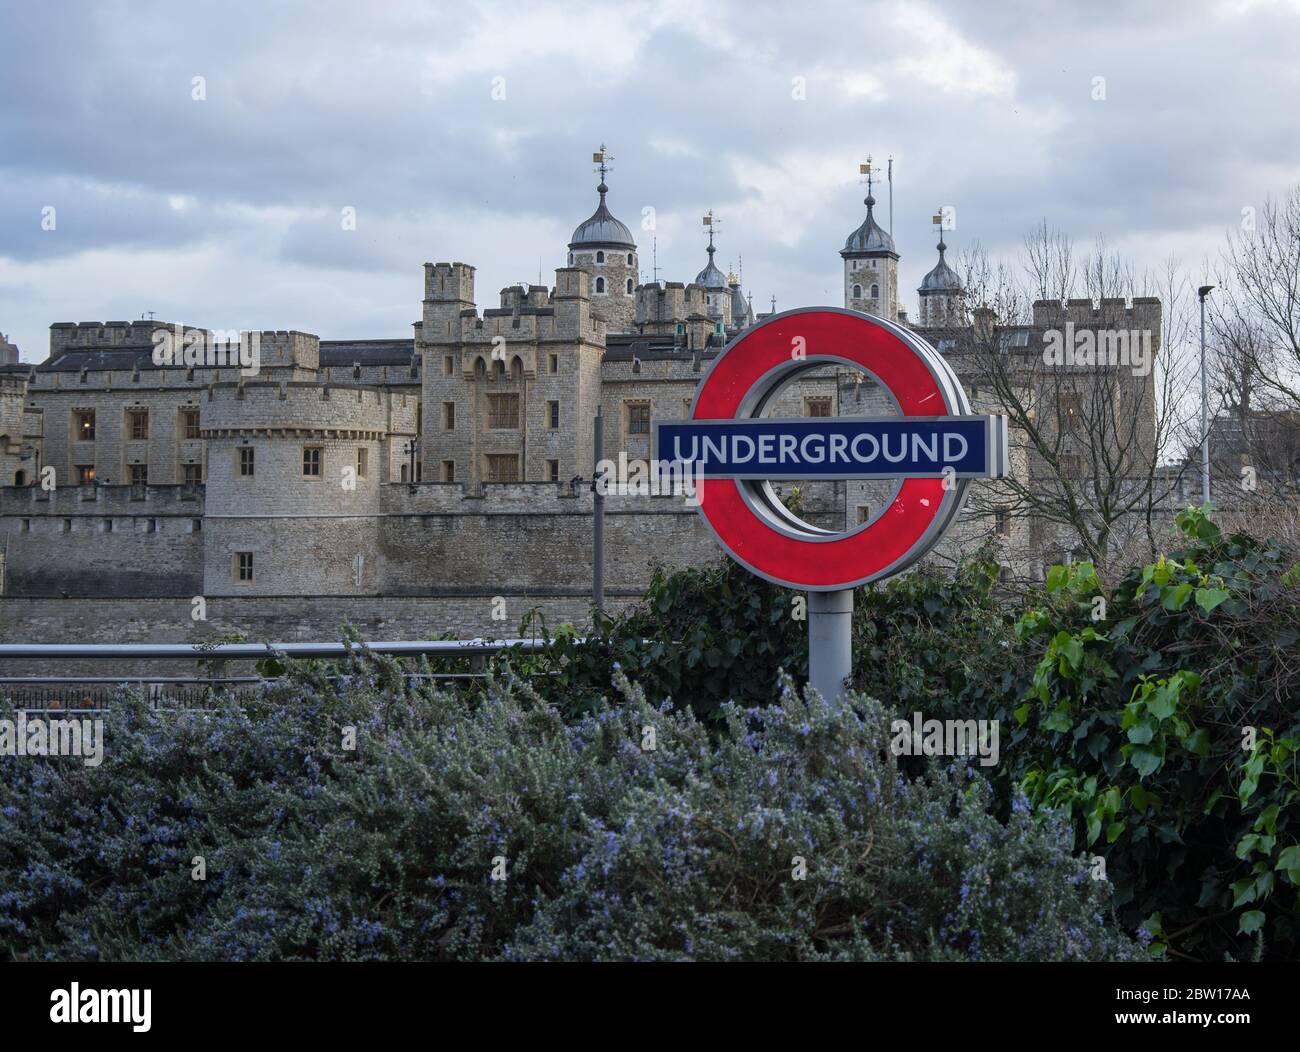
849 560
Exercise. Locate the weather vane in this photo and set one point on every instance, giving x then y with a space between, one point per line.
602 160
713 223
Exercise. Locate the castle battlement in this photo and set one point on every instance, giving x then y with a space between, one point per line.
101 501
519 498
1142 312
299 407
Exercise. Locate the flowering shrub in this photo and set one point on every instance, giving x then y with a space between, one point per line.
629 833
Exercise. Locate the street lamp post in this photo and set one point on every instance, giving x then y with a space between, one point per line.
1201 293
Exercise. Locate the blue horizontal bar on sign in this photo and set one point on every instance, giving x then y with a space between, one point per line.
831 447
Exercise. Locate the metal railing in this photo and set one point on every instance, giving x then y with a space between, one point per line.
51 692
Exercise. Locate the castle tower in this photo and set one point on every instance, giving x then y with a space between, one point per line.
603 247
17 465
871 265
717 292
742 315
942 296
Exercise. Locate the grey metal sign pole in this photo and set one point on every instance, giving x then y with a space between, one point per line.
598 516
830 642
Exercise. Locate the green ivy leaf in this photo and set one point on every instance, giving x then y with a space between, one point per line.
1251 921
1208 598
1175 597
1243 891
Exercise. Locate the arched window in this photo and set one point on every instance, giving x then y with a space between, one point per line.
875 292
857 292
516 368
600 257
20 478
629 286
479 367
600 284
629 259
570 259
499 367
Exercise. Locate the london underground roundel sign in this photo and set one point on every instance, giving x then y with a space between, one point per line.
735 448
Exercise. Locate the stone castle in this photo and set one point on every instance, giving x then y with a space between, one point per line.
449 467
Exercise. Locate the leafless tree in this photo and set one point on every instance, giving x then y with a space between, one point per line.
1093 443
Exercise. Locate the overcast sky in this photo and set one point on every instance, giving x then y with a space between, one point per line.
226 211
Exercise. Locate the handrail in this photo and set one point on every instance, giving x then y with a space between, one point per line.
253 651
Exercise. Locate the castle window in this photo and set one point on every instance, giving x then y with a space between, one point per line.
553 415
816 407
243 566
553 363
629 286
448 365
83 425
516 368
449 415
150 525
857 292
448 471
503 467
85 474
629 259
638 418
1002 522
311 462
139 474
600 257
137 424
600 284
189 423
26 526
1071 410
864 513
363 461
875 292
20 478
553 470
503 412
67 525
480 367
406 473
570 259
193 474
245 468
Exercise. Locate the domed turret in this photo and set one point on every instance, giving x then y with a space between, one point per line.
870 239
941 293
711 277
602 230
871 265
603 247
